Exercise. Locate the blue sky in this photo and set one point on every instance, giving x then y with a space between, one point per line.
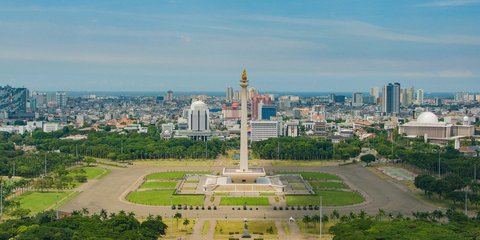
204 45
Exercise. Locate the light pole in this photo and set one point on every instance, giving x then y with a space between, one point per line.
171 217
438 162
1 198
56 204
45 169
321 213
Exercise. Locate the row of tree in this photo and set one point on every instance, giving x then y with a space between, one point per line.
306 148
81 226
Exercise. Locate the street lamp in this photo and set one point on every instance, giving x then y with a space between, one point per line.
171 217
321 213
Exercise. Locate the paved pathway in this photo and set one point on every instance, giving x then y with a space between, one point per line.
281 233
109 193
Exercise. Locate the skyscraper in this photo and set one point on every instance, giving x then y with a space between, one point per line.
198 117
391 99
257 102
169 96
236 96
375 92
61 99
357 99
229 95
420 96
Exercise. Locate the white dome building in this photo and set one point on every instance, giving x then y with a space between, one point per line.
428 126
198 117
427 118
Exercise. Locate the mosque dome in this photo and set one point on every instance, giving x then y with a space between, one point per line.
198 105
427 118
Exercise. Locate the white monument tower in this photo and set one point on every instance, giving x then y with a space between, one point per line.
243 128
244 174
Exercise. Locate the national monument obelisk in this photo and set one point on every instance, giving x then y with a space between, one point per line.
243 126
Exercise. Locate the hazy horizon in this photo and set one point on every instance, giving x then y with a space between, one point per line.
204 45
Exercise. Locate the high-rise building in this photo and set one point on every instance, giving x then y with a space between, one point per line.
257 102
251 93
410 95
236 96
391 99
267 111
262 130
61 99
375 92
198 117
357 99
13 99
420 96
229 95
169 96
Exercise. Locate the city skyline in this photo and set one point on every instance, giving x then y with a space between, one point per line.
202 46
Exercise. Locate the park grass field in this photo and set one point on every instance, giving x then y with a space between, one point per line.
93 172
329 198
162 198
169 175
225 227
315 175
330 185
39 201
168 184
240 201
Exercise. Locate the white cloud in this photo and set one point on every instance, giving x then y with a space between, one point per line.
449 3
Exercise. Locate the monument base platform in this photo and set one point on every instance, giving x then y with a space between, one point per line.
238 176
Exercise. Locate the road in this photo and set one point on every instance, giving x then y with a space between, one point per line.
109 193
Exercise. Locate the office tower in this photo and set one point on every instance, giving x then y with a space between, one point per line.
229 95
410 95
357 99
262 130
420 96
61 99
13 99
251 93
338 98
257 102
391 99
169 96
375 92
267 111
159 99
236 96
198 117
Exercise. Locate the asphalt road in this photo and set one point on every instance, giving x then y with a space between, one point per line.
109 193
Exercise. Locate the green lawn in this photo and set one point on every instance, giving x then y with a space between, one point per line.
315 175
159 185
336 185
39 201
240 201
224 227
93 172
162 198
330 198
169 175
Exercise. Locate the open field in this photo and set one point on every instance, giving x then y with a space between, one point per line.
300 163
93 172
225 227
169 175
182 230
162 198
240 201
39 201
314 175
330 185
170 184
176 162
330 198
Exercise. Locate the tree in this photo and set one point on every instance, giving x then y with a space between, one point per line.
185 223
20 212
368 158
177 217
89 160
306 219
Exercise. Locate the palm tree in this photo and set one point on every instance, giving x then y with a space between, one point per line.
185 223
335 214
315 219
177 216
85 211
103 214
306 219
